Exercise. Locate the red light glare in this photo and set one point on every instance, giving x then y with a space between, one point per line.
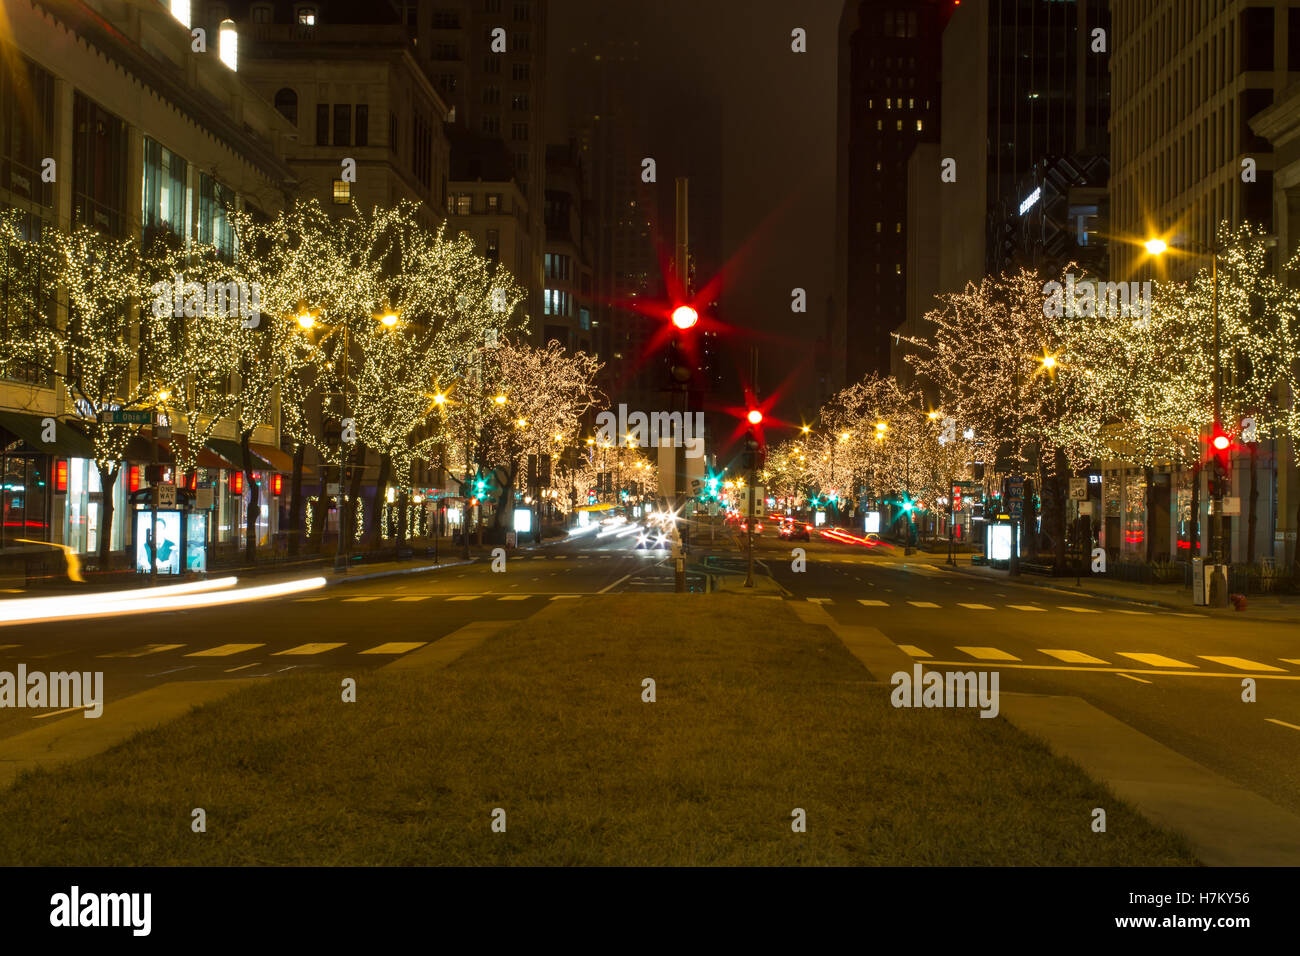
237 483
1221 442
61 476
754 416
684 317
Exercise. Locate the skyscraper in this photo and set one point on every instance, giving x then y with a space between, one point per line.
888 102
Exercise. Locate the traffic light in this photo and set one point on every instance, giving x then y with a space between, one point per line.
685 317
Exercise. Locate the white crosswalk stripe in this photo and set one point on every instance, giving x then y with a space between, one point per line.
1240 663
1155 660
303 650
976 607
922 604
1026 607
1072 657
988 654
868 602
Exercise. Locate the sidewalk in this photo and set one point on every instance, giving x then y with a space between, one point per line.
1283 608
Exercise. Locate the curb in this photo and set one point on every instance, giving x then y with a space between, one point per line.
393 572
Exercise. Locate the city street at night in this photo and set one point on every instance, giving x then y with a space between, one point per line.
446 439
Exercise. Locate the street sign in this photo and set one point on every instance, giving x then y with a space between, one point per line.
332 488
1232 506
124 416
1079 488
165 495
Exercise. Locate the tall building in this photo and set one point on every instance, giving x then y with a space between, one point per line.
609 100
1025 110
568 301
1187 79
348 78
888 103
1194 88
488 58
143 136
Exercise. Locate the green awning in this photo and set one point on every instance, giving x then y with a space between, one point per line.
68 441
233 453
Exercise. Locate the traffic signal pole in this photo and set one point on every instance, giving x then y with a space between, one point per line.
681 249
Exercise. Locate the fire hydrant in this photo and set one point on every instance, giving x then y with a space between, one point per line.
1238 601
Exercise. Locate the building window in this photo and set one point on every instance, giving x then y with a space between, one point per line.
342 124
492 6
493 252
519 132
214 227
878 126
521 11
519 102
446 51
422 149
392 132
919 126
99 167
519 42
520 72
878 225
492 64
165 192
363 124
462 204
261 13
322 124
286 101
342 192
26 130
492 124
491 96
448 82
446 19
306 16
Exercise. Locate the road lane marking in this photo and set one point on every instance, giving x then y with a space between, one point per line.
820 600
1240 663
1274 720
1077 610
6 647
55 713
464 597
868 602
1120 610
922 604
1182 614
1131 677
514 597
988 654
1081 669
1290 660
1072 657
304 649
416 597
224 650
565 597
231 670
143 651
353 600
976 607
1025 607
309 600
1155 660
395 647
912 651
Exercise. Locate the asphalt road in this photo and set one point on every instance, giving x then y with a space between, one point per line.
1175 676
350 625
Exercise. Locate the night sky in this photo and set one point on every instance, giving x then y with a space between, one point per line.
753 125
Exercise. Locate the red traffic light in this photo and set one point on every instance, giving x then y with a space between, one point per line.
1221 442
755 416
684 317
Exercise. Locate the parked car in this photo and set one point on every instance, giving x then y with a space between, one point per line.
795 531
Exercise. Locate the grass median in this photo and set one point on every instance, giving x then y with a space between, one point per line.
756 714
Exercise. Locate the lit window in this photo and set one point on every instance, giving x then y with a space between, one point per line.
918 126
877 226
307 16
899 125
228 44
342 192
